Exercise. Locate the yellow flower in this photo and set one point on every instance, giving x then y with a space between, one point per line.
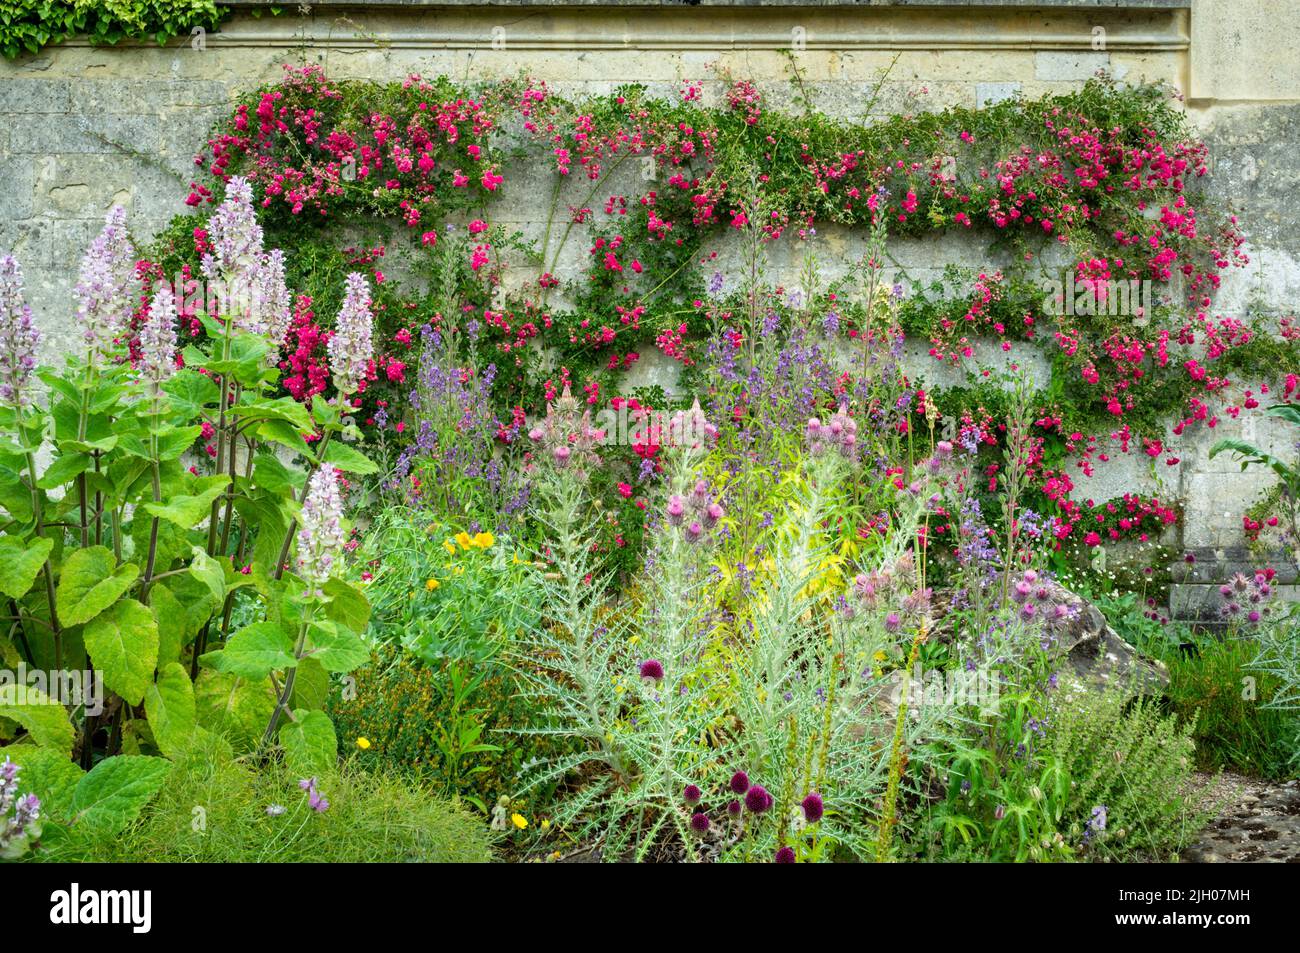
432 584
363 743
449 546
464 539
484 540
519 821
546 824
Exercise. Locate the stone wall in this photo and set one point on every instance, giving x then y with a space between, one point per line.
82 128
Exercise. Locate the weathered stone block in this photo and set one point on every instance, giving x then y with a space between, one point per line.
1068 65
988 94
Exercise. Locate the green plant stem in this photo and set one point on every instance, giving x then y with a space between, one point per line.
287 692
156 472
47 570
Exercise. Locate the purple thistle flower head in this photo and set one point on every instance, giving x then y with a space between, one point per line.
352 344
700 823
740 782
321 539
893 622
734 808
676 507
813 808
18 337
692 795
158 337
784 855
104 301
757 800
652 670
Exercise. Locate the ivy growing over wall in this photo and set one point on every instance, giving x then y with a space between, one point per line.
28 26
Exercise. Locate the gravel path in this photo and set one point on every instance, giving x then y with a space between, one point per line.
1259 822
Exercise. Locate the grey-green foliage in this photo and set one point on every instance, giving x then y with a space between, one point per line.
796 703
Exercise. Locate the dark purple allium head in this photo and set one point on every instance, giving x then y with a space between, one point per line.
757 800
700 823
784 856
813 807
652 670
740 782
692 795
734 808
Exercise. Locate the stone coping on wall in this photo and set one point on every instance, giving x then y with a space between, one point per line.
1024 4
1055 29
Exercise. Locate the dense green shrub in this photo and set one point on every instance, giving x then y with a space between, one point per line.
1217 688
1134 762
216 811
445 722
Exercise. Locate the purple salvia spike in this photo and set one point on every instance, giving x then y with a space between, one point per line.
351 345
104 301
18 337
321 538
158 337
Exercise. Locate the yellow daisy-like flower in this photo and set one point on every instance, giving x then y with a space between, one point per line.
363 744
449 546
465 540
432 584
519 821
546 824
484 540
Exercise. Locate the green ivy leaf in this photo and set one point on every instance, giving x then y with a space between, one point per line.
90 582
310 745
20 563
123 642
114 793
